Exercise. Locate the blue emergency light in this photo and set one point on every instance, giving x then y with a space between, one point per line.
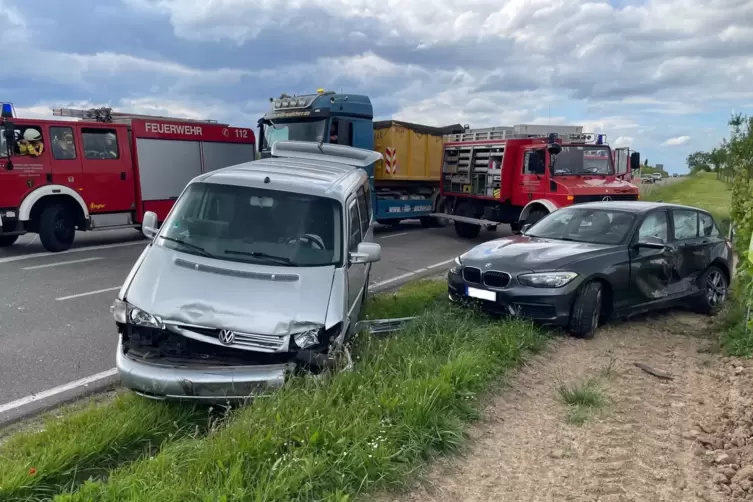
8 112
600 139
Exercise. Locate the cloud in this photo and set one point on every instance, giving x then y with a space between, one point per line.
640 71
679 140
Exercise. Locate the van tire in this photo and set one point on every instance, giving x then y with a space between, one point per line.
7 240
586 311
57 228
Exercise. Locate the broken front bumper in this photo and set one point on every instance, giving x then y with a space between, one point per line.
197 381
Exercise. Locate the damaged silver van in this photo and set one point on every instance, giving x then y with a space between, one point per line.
259 269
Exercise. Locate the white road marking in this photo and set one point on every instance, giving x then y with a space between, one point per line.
83 382
9 259
411 274
46 265
391 235
88 293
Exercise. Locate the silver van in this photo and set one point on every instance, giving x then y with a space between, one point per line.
259 269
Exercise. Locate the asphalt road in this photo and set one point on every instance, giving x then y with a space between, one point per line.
58 337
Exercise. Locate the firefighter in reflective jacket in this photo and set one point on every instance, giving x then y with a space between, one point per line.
31 144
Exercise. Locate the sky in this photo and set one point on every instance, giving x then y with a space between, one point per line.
662 77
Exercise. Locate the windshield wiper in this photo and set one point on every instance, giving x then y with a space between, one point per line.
200 250
259 254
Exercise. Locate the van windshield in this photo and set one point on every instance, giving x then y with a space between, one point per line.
255 225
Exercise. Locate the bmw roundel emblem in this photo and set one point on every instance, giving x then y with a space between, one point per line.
226 337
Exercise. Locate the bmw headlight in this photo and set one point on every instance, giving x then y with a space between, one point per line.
457 264
124 313
307 338
547 279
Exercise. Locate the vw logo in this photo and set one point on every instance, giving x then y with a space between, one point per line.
226 337
607 198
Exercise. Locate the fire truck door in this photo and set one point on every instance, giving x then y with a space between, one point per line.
533 178
66 159
106 162
28 173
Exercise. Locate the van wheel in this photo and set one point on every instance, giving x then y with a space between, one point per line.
7 240
56 228
584 317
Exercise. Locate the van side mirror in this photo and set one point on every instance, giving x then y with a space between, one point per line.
366 252
635 161
149 227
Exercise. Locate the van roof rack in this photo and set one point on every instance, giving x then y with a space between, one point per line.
338 154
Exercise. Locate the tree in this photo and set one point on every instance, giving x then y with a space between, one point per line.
699 161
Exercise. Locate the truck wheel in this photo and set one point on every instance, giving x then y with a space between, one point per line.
7 240
56 228
584 317
467 230
535 216
428 221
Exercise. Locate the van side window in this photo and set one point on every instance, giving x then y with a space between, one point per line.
63 146
354 228
367 189
30 141
100 144
363 209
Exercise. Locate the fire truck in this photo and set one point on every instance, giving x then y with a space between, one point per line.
516 176
104 170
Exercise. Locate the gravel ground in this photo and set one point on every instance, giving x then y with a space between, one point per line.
682 438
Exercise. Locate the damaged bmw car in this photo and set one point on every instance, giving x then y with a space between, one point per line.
259 270
584 264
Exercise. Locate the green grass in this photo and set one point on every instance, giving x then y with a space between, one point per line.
700 190
327 438
582 399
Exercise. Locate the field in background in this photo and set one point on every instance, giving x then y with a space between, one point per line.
700 190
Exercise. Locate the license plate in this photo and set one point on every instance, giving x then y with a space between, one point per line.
482 294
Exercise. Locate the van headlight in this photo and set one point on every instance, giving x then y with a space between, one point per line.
307 338
547 279
125 313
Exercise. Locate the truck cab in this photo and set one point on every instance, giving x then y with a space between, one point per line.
324 117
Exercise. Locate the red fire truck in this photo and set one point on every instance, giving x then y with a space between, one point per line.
496 175
103 171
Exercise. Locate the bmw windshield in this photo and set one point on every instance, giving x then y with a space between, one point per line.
306 130
593 226
583 159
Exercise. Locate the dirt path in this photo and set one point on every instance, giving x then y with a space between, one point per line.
643 444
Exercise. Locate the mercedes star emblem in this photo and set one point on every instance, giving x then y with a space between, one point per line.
226 337
607 198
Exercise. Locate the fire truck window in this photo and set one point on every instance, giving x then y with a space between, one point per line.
100 144
533 162
63 146
29 141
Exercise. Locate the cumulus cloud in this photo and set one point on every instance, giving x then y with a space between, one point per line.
679 140
641 72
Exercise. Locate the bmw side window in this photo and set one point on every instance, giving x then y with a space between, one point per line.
686 224
708 227
655 226
363 209
354 228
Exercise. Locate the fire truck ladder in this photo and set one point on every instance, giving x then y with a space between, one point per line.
106 115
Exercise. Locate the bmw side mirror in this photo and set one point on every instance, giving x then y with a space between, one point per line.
650 243
366 252
149 226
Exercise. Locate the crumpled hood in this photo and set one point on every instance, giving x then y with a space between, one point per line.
583 184
252 298
519 253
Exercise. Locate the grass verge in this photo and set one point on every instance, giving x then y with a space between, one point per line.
700 190
734 339
71 448
335 437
